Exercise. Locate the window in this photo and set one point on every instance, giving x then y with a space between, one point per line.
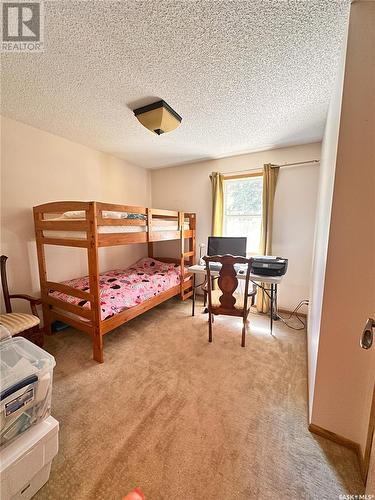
243 209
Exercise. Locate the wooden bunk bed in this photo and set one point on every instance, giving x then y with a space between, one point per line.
96 225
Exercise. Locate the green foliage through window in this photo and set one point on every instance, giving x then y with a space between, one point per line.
243 210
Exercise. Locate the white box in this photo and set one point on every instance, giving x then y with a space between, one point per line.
26 373
25 464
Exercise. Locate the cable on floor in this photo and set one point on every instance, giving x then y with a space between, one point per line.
294 313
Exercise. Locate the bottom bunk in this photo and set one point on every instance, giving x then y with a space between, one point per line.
124 294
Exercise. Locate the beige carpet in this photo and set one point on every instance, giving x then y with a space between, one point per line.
188 420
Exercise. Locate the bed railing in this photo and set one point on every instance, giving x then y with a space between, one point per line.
50 229
73 292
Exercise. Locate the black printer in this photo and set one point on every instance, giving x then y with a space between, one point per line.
267 265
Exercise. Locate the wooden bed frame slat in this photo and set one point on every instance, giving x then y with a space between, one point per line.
164 213
74 315
112 239
62 225
111 207
164 235
62 304
61 206
69 290
85 326
66 242
186 285
187 295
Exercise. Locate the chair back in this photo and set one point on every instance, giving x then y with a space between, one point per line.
228 283
4 283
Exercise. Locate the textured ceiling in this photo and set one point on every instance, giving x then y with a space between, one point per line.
244 75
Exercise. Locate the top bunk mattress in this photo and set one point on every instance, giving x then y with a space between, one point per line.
113 229
122 289
158 225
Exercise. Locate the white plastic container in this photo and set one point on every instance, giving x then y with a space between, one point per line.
25 464
4 333
26 373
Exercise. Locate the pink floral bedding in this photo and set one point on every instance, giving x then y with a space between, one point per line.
124 288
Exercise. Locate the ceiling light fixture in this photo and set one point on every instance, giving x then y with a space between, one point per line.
158 117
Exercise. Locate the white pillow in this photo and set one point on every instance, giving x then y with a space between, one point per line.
107 214
75 214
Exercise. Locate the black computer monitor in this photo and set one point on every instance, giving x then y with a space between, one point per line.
222 245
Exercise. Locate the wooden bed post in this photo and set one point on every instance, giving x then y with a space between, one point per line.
189 256
192 242
93 265
38 216
149 229
181 220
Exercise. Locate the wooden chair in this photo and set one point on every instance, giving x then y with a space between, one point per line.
20 324
225 300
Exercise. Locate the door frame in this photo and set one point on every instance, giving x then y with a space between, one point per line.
369 440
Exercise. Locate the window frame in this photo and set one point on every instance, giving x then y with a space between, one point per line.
254 173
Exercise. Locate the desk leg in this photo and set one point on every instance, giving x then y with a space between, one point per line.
193 302
271 310
276 317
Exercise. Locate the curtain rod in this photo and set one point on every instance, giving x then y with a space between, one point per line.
272 164
296 163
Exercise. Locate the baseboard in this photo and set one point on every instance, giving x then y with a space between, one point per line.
287 311
336 438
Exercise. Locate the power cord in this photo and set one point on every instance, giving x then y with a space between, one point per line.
295 314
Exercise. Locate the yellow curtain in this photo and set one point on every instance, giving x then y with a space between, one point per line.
270 174
217 183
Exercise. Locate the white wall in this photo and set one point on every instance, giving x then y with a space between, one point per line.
38 167
293 229
345 373
187 187
323 221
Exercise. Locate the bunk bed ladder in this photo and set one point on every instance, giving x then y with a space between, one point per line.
187 257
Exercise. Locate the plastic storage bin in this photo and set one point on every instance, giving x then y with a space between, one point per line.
25 387
4 333
25 464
